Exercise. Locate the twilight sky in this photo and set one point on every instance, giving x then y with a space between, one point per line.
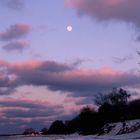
48 73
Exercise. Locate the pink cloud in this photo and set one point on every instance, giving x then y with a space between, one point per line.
63 77
15 31
32 64
70 81
18 46
108 10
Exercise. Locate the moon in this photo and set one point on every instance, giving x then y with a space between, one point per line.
69 28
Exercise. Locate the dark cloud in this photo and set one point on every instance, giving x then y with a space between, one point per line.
81 85
8 126
34 54
78 62
124 10
12 4
22 113
62 77
86 101
18 125
15 31
122 59
6 90
4 80
52 66
32 113
109 10
29 104
16 46
16 115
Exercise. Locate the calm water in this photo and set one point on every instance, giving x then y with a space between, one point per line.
49 138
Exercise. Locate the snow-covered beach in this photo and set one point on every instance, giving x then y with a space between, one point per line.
119 131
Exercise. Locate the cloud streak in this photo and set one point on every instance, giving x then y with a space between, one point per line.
15 31
25 108
122 59
84 83
63 77
6 90
18 46
22 113
12 4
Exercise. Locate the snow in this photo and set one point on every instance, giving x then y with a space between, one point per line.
113 134
129 131
130 136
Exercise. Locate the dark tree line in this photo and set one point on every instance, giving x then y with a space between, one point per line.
113 107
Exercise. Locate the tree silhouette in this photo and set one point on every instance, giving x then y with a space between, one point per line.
29 131
115 97
57 127
44 131
113 107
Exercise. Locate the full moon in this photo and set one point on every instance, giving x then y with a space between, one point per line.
69 28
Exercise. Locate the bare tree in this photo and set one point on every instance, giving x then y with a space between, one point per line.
115 97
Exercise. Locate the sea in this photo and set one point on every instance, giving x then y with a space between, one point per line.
71 137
